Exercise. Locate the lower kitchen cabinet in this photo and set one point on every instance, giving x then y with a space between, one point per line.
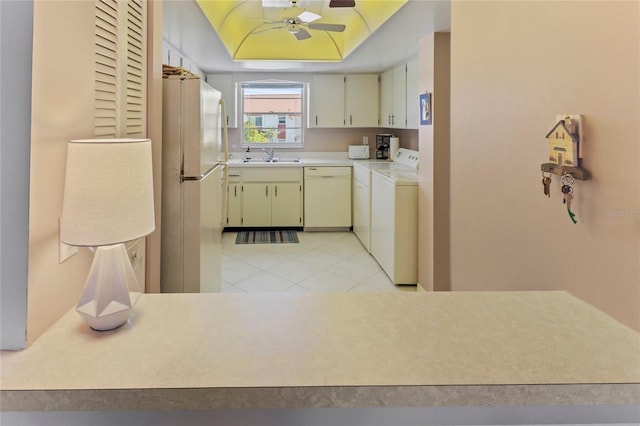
362 205
264 197
234 200
286 204
256 204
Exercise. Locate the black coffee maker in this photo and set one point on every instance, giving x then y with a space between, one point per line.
383 141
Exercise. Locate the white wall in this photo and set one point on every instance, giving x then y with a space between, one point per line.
515 66
16 26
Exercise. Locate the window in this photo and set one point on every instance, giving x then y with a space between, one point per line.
272 114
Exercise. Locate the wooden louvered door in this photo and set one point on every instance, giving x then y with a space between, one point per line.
120 89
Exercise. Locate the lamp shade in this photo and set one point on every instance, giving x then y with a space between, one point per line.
108 192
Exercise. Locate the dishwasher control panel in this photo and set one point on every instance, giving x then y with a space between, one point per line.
327 171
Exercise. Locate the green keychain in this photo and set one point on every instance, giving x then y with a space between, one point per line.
567 191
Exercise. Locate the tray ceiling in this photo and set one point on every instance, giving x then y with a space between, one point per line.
249 32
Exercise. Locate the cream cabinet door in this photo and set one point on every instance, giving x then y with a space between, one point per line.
399 118
234 198
234 204
361 100
386 98
413 95
362 213
326 100
286 204
256 204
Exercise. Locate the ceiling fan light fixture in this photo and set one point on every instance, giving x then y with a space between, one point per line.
307 16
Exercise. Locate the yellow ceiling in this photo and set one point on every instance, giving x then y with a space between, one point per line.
241 26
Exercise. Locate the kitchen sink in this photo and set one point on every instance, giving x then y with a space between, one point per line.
271 161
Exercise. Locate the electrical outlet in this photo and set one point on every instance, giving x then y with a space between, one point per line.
365 140
64 251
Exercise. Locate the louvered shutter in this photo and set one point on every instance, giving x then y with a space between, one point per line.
120 68
135 70
106 57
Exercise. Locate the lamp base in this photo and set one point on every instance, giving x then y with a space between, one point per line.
111 289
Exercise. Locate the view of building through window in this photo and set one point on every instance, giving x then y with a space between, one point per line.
272 113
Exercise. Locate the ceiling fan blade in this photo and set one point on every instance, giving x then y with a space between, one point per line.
327 27
302 34
342 3
267 21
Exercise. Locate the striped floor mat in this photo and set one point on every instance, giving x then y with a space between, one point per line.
266 237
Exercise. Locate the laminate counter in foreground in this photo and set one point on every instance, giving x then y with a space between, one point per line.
249 351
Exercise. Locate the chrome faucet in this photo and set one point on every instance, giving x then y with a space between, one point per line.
269 151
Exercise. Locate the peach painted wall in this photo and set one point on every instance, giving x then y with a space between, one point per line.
434 143
515 65
62 109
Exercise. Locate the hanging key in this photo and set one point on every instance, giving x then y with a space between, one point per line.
546 185
567 192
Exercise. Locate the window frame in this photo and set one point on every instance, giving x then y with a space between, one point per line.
273 84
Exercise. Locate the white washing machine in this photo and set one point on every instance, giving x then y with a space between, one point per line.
394 218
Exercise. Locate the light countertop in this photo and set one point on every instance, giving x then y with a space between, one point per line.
307 159
284 350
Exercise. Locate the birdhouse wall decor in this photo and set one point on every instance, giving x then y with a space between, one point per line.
566 139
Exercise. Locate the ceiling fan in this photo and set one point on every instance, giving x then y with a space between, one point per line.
297 20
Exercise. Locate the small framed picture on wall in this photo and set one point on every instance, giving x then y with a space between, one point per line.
425 109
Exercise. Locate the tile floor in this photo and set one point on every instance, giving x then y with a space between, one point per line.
320 262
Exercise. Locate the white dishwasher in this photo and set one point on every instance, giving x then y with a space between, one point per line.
327 198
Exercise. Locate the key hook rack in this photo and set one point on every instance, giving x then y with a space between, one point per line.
577 172
565 152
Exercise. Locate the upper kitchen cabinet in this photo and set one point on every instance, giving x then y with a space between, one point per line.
386 98
337 100
398 96
361 100
225 84
326 100
393 103
413 95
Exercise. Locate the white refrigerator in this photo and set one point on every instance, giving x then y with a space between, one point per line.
194 158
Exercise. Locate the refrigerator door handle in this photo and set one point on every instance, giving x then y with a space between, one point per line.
201 177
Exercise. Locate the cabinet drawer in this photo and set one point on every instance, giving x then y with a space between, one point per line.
280 174
234 175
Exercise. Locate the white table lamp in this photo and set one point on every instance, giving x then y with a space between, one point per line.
108 200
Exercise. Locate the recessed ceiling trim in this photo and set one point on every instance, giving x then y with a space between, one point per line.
366 24
336 45
229 13
250 33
